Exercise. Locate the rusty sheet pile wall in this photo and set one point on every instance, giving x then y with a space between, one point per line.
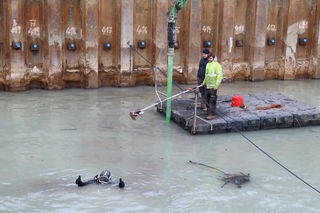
54 44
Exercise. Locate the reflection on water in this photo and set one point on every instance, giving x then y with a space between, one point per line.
48 138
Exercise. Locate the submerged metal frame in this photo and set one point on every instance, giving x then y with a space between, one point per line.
195 116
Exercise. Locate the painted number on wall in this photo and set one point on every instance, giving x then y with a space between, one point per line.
271 27
16 29
142 29
239 29
177 29
303 25
71 31
34 30
106 30
207 29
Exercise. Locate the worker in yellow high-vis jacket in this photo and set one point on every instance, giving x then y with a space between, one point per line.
212 81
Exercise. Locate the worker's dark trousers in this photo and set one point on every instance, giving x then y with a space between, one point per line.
211 99
202 92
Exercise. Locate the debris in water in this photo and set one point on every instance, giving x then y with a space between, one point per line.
237 179
68 129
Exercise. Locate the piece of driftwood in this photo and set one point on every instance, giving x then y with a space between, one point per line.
237 179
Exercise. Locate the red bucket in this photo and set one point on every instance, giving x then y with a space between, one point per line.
237 101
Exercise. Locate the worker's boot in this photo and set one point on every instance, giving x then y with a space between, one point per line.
205 111
211 116
201 106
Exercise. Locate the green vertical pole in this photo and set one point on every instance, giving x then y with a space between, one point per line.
179 4
169 84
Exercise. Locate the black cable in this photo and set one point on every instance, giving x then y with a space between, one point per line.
158 68
272 158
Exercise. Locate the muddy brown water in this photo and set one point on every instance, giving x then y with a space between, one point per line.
48 138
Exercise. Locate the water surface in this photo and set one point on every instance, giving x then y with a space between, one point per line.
48 138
